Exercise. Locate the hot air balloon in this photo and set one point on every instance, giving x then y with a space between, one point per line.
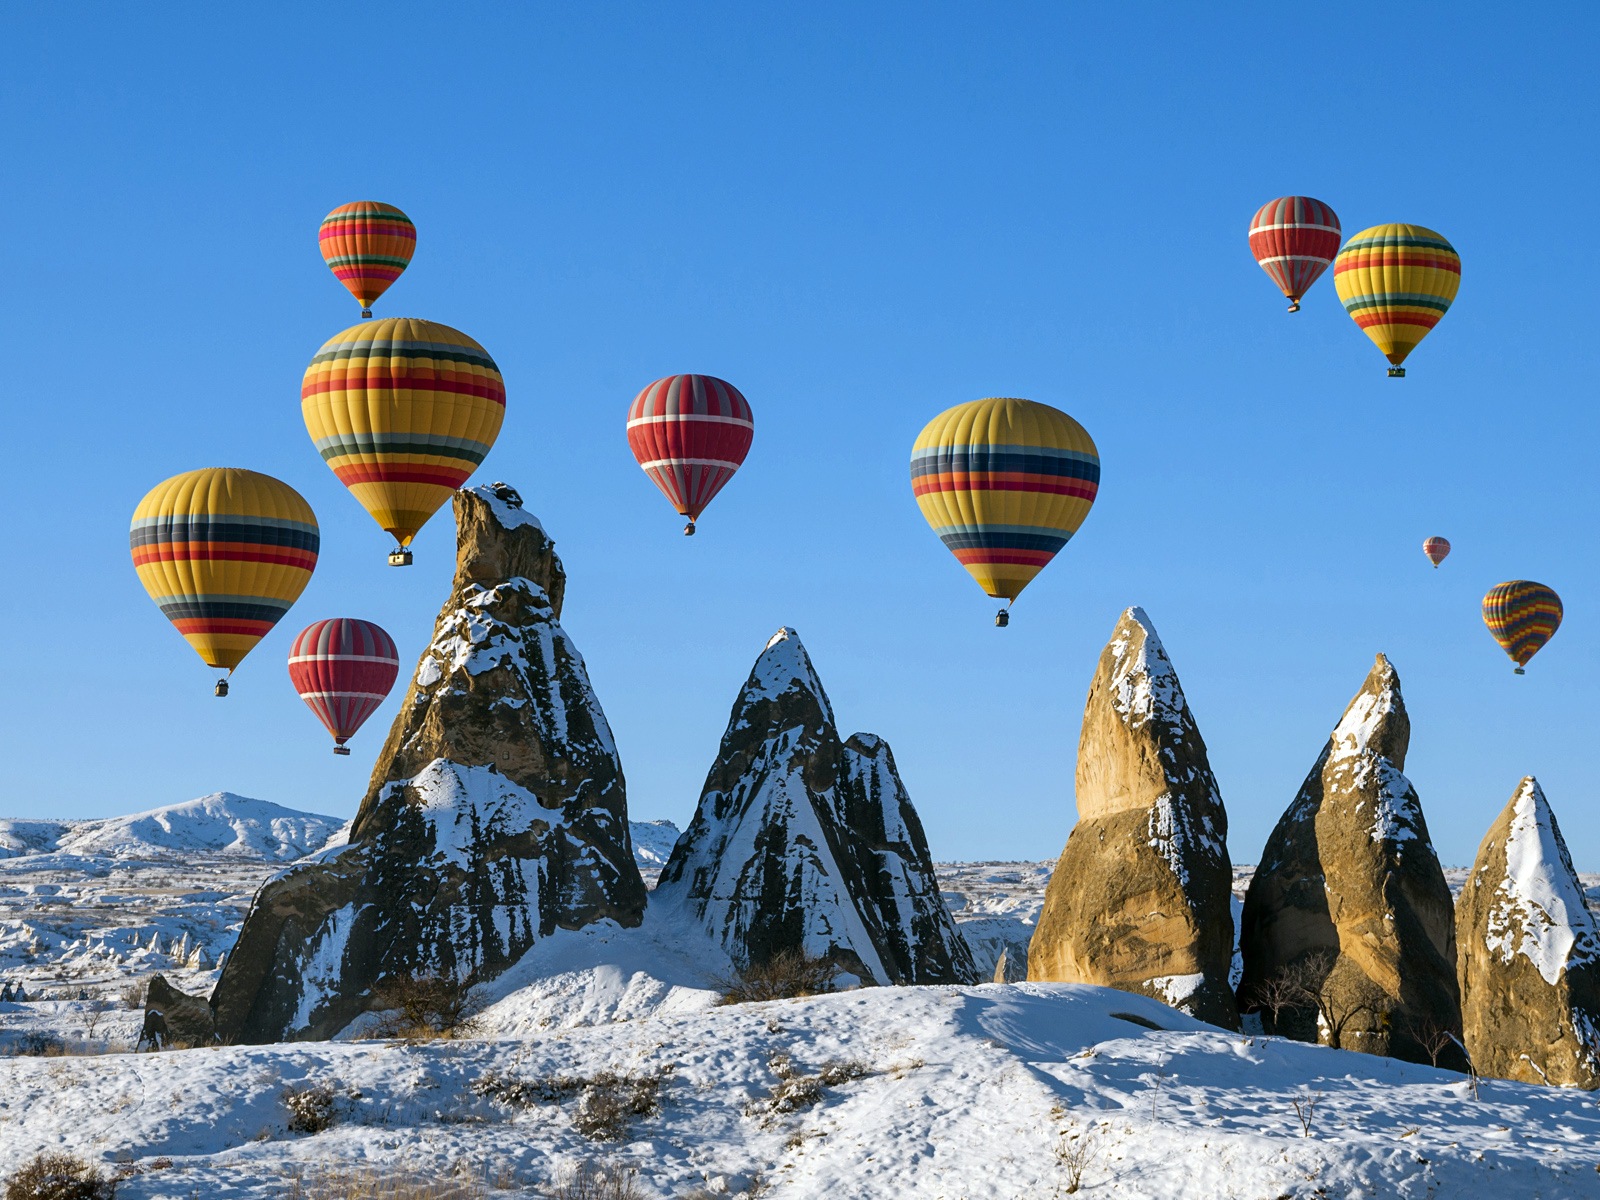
1437 549
1294 238
223 552
1396 281
403 411
690 433
343 668
1522 616
366 245
1004 483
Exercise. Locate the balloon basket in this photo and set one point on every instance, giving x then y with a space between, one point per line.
688 530
341 750
366 314
1518 671
1295 307
399 557
1397 372
1002 619
222 687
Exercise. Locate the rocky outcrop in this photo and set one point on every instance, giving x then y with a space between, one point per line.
1140 899
177 1018
804 841
1529 953
496 812
1348 932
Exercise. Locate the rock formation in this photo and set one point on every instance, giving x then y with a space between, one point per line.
1140 899
1530 953
1348 932
804 841
180 1018
496 811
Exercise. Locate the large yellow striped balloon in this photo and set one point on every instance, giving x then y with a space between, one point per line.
223 552
403 411
1004 483
1396 281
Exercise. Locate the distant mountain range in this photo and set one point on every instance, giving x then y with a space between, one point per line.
227 824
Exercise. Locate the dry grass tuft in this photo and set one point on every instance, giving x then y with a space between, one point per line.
597 1181
787 974
368 1183
606 1105
424 1007
60 1177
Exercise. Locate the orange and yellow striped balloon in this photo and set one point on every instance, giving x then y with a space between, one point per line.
403 411
224 553
1004 483
366 245
1396 281
1522 616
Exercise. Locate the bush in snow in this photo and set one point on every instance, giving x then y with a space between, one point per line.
606 1105
311 1109
364 1183
36 1043
420 1007
133 995
787 974
796 1091
60 1177
597 1181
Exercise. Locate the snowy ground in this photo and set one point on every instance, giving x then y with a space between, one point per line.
986 1091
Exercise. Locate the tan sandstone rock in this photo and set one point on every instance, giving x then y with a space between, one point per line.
1349 903
1140 899
1529 952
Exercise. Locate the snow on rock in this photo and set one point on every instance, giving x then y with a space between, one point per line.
496 813
221 823
1349 885
1529 952
805 841
951 1092
1140 899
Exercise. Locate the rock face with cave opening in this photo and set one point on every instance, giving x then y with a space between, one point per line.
1141 897
804 841
495 815
1350 898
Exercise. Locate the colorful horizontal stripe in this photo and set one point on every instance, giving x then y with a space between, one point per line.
343 669
224 553
1004 483
367 245
402 411
1522 616
1294 238
1396 281
690 433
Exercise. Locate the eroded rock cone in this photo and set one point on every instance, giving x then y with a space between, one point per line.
801 841
1140 899
1348 931
1529 953
496 812
181 1019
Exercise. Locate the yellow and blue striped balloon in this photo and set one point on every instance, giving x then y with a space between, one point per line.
1396 281
1522 616
1004 483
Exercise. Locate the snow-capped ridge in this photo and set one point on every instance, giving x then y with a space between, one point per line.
221 823
505 502
1144 685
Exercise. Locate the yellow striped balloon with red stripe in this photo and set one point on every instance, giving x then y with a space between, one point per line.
403 411
1396 281
224 553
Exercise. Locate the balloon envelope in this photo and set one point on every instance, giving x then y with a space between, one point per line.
1004 483
1396 281
366 245
690 433
343 668
1522 616
1294 238
1437 549
403 411
224 552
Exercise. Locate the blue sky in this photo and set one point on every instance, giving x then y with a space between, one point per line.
860 215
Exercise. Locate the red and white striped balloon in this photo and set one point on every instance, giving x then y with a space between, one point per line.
343 668
1294 238
690 433
1436 548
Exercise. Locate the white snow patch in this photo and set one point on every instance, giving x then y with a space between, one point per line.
506 504
1144 685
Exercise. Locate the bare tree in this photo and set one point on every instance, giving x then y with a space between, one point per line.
1436 1037
1308 986
1305 1108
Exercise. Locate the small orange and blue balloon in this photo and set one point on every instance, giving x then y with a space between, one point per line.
343 668
1437 549
1294 238
366 245
1522 616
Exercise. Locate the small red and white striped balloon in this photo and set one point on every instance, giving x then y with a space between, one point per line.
1436 548
343 668
690 433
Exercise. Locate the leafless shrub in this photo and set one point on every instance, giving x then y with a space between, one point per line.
1437 1038
38 1043
133 995
597 1181
1308 988
787 974
1076 1152
60 1177
311 1109
796 1091
1305 1108
365 1183
606 1103
424 1007
94 1014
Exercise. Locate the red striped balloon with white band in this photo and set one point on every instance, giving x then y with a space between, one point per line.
690 433
343 668
1294 238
